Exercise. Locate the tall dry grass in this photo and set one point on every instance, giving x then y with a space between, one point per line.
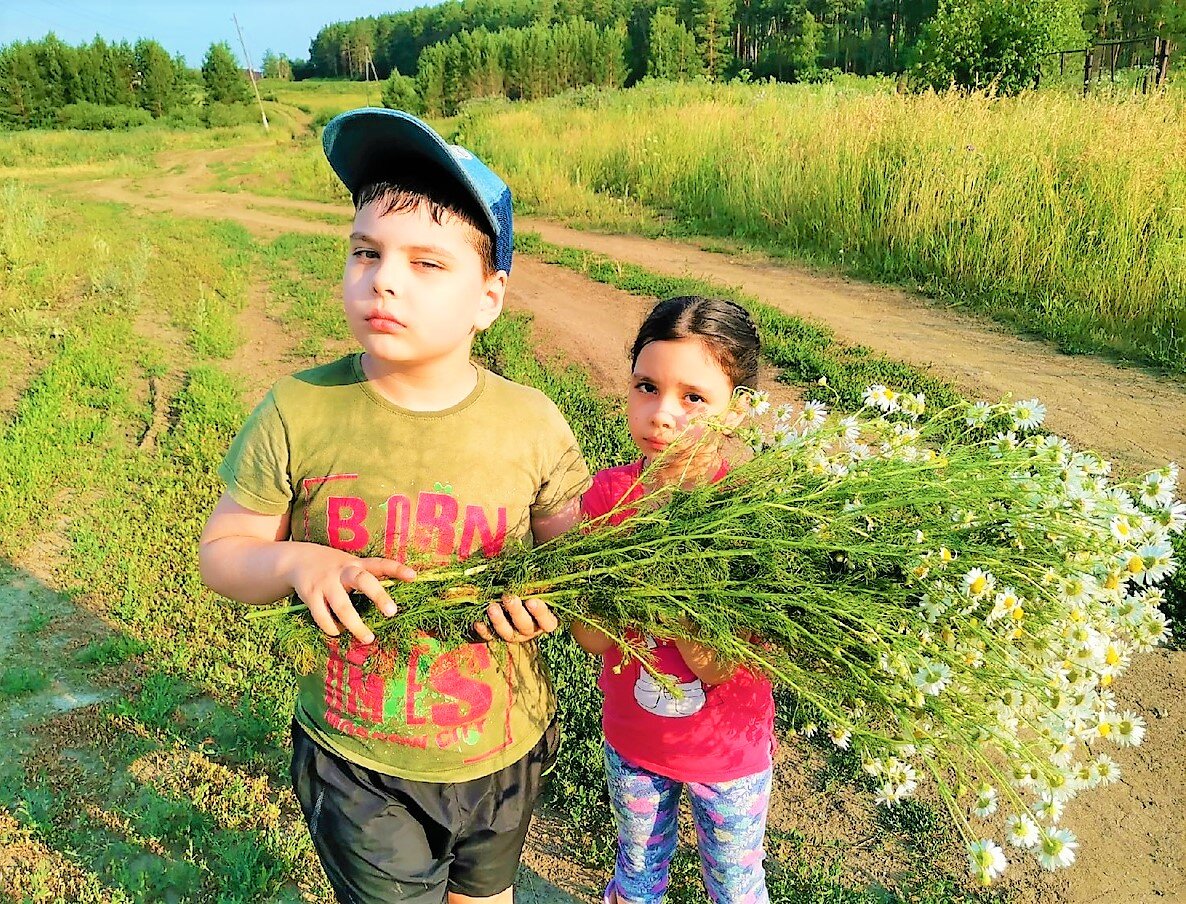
1065 216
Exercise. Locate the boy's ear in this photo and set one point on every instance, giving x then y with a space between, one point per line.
492 296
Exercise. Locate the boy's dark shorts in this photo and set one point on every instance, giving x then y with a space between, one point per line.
385 839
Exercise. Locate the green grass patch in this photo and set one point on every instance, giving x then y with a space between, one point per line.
20 681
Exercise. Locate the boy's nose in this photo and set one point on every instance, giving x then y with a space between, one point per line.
389 278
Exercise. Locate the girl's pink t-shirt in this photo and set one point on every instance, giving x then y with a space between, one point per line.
712 733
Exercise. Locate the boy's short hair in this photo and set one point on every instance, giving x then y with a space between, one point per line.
373 146
441 198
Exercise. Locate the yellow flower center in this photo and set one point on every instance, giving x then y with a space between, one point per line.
1105 729
1112 656
978 586
1136 565
1018 613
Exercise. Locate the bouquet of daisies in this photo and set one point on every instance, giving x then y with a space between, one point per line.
952 598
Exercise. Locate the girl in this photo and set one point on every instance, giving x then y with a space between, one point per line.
716 737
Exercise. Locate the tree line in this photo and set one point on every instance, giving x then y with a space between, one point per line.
780 38
48 83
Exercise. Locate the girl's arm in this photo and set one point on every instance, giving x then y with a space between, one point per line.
704 663
590 639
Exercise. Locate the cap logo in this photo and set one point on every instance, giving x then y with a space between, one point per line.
460 153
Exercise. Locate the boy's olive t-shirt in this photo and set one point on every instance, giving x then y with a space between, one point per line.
358 473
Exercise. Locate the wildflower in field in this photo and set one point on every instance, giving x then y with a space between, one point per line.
986 860
913 404
755 402
1056 848
840 736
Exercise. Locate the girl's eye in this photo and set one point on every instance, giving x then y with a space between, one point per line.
696 399
365 253
644 386
429 265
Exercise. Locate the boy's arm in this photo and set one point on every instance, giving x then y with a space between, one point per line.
515 620
246 556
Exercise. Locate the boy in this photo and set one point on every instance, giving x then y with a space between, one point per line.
419 786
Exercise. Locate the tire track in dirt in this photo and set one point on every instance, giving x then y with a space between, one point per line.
1126 414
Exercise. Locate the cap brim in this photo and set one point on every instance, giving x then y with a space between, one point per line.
372 144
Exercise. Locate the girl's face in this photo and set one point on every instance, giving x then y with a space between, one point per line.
674 383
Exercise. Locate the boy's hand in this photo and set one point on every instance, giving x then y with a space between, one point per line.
325 578
516 621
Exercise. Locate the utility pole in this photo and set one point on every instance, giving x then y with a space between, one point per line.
251 72
370 69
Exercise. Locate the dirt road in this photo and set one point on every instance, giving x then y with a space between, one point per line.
1132 849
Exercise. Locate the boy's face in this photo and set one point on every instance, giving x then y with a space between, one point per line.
414 290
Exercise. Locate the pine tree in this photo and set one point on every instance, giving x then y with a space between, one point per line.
672 51
712 24
158 83
225 83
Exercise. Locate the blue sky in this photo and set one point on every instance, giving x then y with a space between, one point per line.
188 26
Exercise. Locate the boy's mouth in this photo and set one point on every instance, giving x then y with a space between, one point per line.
385 323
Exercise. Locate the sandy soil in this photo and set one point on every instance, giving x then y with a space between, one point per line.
1133 835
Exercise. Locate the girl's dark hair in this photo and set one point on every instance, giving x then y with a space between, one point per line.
724 327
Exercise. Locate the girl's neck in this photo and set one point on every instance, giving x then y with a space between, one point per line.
687 473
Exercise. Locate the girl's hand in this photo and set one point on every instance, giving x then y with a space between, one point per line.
517 621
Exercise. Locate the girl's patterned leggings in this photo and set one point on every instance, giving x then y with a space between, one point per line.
730 824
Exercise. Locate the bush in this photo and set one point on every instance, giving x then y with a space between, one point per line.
96 117
400 93
218 115
184 118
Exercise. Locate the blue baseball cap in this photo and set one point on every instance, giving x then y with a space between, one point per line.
374 144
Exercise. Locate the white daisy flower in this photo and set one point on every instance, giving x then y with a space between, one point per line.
978 414
986 801
1129 730
1056 848
1028 415
756 402
1106 769
986 860
813 416
882 398
1172 518
851 429
840 736
1021 831
913 404
977 583
932 678
784 412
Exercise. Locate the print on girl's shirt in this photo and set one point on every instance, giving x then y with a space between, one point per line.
659 700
